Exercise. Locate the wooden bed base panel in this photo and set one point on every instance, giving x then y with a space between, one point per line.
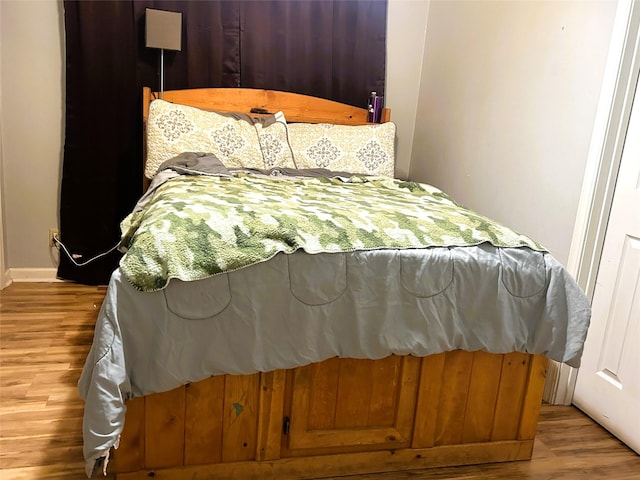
338 417
345 464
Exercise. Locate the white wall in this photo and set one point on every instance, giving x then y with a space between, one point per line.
406 29
32 122
507 103
4 278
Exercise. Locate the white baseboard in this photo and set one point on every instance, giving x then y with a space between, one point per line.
33 275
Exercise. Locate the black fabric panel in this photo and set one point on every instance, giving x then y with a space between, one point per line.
210 44
333 50
359 50
101 172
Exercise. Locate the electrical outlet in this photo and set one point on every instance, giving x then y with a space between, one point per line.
53 234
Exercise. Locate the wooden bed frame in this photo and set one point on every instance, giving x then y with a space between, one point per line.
340 416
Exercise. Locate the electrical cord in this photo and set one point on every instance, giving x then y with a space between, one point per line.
58 244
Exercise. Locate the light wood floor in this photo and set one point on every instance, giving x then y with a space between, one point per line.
45 333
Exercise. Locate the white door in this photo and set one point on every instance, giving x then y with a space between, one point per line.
608 384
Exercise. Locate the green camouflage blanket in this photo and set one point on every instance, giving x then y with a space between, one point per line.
198 226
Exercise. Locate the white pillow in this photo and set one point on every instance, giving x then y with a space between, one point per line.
272 135
236 139
362 149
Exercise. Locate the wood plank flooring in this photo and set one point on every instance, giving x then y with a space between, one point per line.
45 333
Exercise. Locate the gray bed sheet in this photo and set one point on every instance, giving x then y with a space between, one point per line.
297 309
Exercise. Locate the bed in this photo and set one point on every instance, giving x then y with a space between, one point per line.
377 325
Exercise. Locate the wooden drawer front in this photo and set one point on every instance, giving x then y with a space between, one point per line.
211 421
343 403
478 397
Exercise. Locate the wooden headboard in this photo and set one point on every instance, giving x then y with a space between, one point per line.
296 107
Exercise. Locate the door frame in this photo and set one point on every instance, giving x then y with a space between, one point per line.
603 163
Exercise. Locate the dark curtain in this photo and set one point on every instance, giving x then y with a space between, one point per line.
331 49
327 49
